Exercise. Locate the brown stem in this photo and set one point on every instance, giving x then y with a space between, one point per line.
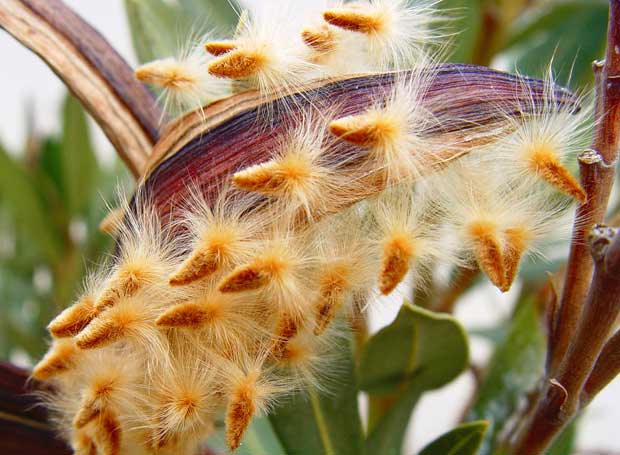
448 297
597 177
92 70
590 303
562 398
606 368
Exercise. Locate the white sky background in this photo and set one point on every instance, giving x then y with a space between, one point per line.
26 81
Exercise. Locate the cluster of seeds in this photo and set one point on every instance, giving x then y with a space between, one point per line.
217 315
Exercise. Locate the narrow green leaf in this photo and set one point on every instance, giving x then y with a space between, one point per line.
463 440
514 368
18 194
564 444
220 15
463 26
323 422
78 161
419 351
153 28
50 163
159 28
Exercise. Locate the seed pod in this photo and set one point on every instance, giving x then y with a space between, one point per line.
232 134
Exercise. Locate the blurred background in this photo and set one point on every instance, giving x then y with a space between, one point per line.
58 174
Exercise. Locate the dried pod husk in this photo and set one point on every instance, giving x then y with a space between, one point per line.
471 104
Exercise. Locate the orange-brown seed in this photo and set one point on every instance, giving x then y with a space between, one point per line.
398 252
355 19
488 250
547 166
202 263
239 412
218 48
237 64
515 244
321 38
59 359
363 130
73 319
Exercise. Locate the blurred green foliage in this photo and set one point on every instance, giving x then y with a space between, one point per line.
52 198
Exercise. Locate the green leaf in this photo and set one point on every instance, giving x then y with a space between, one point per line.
514 368
569 32
159 28
18 194
564 444
387 434
494 334
153 31
325 422
259 439
419 351
463 27
421 346
78 161
463 440
218 14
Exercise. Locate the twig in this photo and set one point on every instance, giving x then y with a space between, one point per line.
597 177
93 71
607 367
562 397
590 303
448 297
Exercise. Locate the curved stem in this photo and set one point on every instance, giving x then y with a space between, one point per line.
96 74
24 426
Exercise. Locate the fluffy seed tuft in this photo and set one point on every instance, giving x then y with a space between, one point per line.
398 252
218 48
488 250
61 357
74 318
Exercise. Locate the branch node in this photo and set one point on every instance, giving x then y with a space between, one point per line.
599 239
557 395
598 65
590 156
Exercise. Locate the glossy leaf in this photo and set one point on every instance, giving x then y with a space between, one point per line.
514 368
463 440
258 439
419 351
388 433
323 422
421 346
